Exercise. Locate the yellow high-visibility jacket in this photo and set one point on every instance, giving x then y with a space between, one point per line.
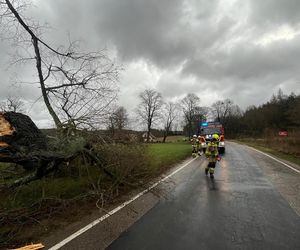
211 151
194 141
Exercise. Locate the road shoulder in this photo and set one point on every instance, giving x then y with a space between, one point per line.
284 179
109 229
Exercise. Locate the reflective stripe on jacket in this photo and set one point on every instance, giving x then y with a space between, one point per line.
211 151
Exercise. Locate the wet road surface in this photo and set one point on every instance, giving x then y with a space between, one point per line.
240 209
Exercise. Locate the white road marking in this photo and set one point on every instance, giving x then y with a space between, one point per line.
275 159
95 222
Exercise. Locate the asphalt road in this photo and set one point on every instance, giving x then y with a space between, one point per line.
240 209
253 203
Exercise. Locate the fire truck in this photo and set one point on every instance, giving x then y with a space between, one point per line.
207 129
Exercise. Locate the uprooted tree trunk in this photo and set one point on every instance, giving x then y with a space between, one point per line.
18 134
21 142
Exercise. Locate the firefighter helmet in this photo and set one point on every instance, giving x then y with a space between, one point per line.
216 137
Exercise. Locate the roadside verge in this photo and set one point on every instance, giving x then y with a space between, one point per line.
285 159
125 215
284 175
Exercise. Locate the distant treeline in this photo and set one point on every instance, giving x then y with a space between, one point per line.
281 112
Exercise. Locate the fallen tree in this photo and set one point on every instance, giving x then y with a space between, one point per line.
18 133
22 143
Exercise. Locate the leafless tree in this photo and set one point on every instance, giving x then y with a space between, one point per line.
77 87
118 120
14 104
189 105
221 109
201 114
169 113
149 108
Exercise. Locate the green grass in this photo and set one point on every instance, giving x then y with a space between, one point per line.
274 152
47 188
174 138
166 154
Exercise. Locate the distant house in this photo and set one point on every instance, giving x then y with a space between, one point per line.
126 135
152 138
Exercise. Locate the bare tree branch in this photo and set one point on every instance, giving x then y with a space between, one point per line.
75 86
149 108
222 109
189 105
12 103
170 112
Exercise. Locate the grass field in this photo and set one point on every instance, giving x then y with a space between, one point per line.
174 138
162 155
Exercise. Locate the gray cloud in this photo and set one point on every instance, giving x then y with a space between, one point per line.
144 29
217 49
274 12
248 61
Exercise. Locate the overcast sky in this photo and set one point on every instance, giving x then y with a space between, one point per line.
243 50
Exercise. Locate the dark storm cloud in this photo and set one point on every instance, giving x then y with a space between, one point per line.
160 31
217 49
249 73
248 61
145 29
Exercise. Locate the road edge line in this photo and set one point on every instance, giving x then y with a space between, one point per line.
275 159
97 221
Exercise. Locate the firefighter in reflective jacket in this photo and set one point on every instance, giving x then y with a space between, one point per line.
200 149
194 142
212 155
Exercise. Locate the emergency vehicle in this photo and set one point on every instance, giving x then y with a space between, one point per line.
207 129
